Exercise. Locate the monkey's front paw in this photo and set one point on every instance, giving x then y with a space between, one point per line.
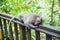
34 26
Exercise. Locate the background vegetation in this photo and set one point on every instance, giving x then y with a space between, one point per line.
48 9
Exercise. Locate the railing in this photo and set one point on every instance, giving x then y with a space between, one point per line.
18 31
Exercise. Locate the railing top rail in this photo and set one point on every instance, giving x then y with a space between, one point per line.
48 29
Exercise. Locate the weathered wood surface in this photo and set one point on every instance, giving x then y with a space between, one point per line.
47 29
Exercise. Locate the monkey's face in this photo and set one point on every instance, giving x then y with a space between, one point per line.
38 21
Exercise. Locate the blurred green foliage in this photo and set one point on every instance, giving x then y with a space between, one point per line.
39 7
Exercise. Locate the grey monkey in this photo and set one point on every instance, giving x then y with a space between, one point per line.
28 18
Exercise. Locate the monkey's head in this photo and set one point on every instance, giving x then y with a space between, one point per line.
38 20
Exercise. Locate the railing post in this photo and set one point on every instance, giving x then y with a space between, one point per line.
1 29
37 35
16 31
5 29
22 32
28 34
48 37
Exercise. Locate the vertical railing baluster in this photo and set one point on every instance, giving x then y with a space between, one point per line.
10 31
59 38
48 37
28 34
1 29
37 35
5 27
16 31
22 32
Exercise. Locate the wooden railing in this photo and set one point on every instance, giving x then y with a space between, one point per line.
18 31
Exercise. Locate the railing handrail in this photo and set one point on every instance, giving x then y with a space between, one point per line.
48 29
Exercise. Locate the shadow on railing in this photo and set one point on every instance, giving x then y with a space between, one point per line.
18 30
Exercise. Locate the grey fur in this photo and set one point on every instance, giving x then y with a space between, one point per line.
27 17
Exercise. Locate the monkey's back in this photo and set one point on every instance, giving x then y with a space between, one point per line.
28 17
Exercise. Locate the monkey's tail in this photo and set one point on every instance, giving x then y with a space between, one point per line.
10 21
9 26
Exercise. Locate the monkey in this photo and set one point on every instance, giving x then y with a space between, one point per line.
28 18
